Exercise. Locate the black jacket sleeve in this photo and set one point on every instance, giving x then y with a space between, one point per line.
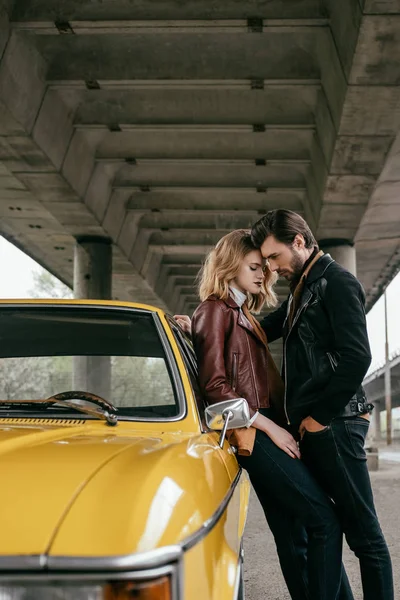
344 301
273 323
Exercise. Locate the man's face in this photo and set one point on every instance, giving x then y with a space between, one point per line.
287 261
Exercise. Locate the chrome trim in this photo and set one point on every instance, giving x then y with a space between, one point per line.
237 580
174 369
228 415
146 560
168 350
23 562
170 569
216 414
172 323
178 581
208 525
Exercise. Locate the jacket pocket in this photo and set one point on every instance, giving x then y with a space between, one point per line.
235 360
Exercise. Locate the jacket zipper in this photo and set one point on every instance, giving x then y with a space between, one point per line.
252 370
284 358
332 360
284 395
234 371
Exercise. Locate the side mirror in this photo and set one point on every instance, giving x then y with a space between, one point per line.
233 413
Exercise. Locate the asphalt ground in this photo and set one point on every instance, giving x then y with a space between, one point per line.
263 579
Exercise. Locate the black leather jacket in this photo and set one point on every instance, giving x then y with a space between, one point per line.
326 351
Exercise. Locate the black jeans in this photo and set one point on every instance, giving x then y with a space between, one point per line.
337 459
285 485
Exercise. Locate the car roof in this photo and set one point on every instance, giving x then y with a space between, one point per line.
80 302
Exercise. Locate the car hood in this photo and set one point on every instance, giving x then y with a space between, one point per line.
78 489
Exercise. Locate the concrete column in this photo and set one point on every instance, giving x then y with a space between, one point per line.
93 268
92 280
341 250
376 433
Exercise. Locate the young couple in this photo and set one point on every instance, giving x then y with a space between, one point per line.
303 446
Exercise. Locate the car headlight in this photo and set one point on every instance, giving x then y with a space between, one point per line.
156 589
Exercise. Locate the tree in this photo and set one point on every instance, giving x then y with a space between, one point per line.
45 285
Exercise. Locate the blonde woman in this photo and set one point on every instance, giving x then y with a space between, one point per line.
234 361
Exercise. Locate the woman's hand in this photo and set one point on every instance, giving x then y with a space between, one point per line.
184 322
281 438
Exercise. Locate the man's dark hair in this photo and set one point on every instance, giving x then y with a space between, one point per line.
284 225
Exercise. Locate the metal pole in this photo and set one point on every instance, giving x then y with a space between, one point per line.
388 391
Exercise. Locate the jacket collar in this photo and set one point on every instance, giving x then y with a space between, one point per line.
316 272
229 301
241 320
319 267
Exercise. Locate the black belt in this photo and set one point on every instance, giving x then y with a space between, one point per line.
356 407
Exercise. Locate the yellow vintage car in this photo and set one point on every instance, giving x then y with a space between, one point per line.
113 486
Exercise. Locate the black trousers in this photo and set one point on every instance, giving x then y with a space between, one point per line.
286 486
337 459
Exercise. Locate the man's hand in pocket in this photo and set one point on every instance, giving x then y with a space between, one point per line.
311 425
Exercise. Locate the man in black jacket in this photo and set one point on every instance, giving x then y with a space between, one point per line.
326 356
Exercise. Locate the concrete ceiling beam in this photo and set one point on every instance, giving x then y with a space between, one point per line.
278 104
381 6
211 199
78 10
377 54
345 19
190 220
378 237
360 155
150 143
273 175
170 56
371 110
178 25
166 277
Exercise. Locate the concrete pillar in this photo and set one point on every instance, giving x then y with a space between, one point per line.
376 433
341 250
93 268
92 280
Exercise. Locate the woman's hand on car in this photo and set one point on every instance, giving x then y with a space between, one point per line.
281 438
184 323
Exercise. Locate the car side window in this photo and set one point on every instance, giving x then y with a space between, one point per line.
189 359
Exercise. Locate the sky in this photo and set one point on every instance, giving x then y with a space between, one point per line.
16 281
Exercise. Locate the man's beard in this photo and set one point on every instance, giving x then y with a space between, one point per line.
296 267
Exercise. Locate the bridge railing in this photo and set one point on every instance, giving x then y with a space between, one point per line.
379 369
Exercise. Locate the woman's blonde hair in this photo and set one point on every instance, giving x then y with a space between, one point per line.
222 265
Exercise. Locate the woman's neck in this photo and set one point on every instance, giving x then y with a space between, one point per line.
238 296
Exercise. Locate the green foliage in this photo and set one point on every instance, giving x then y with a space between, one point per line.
135 380
45 285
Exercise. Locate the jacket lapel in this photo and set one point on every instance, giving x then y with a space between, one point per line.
304 302
302 290
245 324
242 321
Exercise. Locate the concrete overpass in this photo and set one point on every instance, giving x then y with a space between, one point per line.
158 126
374 386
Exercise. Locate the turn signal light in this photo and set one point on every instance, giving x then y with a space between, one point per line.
156 589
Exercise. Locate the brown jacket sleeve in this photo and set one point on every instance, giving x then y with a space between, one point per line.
209 326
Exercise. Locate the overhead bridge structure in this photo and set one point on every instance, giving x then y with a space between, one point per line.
152 128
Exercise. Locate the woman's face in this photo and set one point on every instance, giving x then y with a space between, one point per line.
250 276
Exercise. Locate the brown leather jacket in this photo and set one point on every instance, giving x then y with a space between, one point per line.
232 360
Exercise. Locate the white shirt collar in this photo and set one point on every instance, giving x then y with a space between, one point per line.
238 296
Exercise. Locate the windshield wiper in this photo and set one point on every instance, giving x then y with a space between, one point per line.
102 409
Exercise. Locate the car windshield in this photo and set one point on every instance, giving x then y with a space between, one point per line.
118 354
